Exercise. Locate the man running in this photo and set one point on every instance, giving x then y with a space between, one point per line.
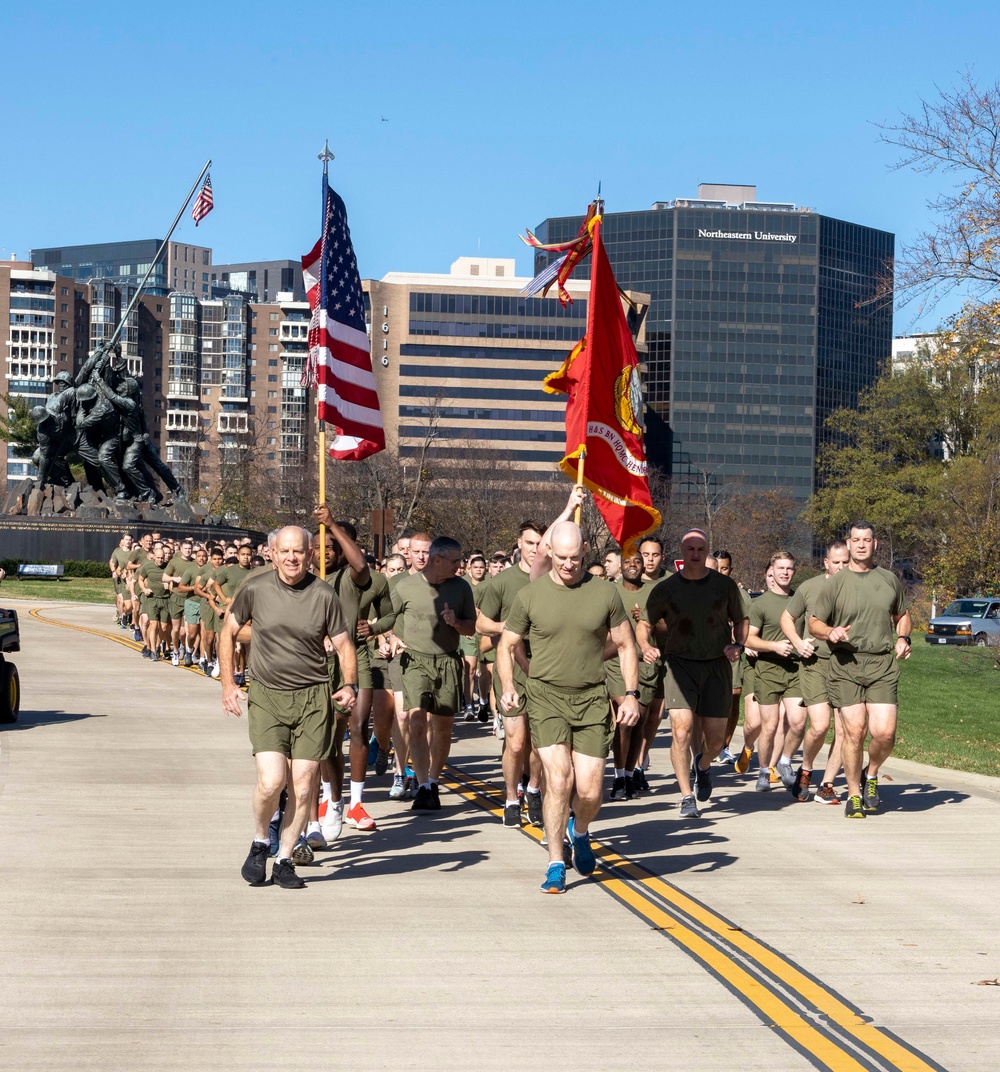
814 670
566 616
292 612
862 614
433 609
706 629
119 574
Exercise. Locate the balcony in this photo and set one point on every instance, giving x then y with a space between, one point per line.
292 331
183 420
233 423
181 389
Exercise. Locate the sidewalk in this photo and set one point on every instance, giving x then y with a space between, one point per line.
130 941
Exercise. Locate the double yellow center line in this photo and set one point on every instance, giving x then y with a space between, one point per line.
825 1028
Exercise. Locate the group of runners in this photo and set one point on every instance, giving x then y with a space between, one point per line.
573 662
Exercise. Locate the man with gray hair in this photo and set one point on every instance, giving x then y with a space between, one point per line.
434 609
292 612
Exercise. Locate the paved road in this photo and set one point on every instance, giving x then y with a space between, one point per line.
768 934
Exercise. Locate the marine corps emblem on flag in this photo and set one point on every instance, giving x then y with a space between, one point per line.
628 400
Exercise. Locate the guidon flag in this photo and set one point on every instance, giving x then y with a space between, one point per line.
604 411
339 365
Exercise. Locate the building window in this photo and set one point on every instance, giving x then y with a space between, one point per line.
273 316
272 331
273 347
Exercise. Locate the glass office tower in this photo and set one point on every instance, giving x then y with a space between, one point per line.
761 324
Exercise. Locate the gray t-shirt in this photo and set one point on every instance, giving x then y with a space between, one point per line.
289 624
419 605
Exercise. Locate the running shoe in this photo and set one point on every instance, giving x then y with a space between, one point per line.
534 808
617 789
381 761
689 808
188 658
398 790
725 756
241 680
254 868
333 821
359 818
703 779
498 730
826 794
145 652
743 762
871 799
512 815
555 879
372 750
203 665
436 796
314 837
854 808
175 659
639 783
137 635
584 860
423 801
274 835
215 669
763 781
785 773
775 777
469 713
483 714
800 787
283 875
301 852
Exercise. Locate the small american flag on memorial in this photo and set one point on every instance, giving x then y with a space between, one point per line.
339 365
204 203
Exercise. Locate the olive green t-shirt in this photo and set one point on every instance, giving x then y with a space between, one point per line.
867 603
358 602
765 616
699 615
186 570
138 555
419 605
203 579
567 627
229 579
153 576
289 624
119 556
800 606
648 672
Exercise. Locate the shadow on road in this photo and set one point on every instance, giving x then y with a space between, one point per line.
29 720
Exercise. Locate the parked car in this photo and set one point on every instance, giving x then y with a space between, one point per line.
10 684
967 621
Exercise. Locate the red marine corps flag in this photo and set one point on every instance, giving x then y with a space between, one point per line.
340 362
604 412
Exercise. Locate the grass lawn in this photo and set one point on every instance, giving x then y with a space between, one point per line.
68 590
949 707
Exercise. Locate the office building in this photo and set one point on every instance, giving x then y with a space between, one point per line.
182 267
260 281
459 361
762 321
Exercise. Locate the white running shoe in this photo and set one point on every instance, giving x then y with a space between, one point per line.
215 669
314 837
333 821
175 658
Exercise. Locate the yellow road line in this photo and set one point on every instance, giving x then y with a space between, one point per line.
638 893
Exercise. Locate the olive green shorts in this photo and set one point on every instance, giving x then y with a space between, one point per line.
142 602
814 676
380 673
158 609
192 610
702 686
176 604
432 682
775 680
395 675
364 669
209 619
857 678
739 672
580 718
749 677
469 646
648 677
521 684
295 722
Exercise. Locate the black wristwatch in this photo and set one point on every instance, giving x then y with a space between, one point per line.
633 692
351 685
907 639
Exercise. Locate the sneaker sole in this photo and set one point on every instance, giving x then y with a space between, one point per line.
362 825
553 891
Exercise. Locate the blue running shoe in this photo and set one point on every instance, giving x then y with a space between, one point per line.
555 879
137 635
372 751
584 860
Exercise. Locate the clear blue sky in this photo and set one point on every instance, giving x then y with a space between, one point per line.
499 114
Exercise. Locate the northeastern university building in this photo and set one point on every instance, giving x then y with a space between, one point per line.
761 323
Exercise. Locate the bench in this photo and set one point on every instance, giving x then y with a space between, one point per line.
39 572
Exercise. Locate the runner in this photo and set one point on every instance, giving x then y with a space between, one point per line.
471 655
211 623
156 596
862 613
776 677
226 582
433 609
181 571
119 574
289 714
814 670
613 566
705 633
567 616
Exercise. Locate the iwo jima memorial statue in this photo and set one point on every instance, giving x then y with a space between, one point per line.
98 417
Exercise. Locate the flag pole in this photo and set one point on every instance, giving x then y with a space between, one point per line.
577 513
326 156
153 263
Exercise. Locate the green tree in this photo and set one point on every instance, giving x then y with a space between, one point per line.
17 428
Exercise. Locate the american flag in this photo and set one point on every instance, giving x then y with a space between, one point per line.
204 203
340 363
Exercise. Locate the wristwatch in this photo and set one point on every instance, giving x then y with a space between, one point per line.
907 639
351 685
632 692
